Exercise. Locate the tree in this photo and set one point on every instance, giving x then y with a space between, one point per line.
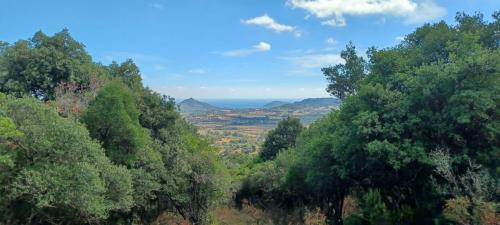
197 180
113 119
438 89
281 138
128 72
58 173
471 194
36 66
316 175
8 132
266 187
158 113
344 78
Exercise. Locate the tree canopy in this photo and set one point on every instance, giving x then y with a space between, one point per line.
281 138
36 66
343 78
57 171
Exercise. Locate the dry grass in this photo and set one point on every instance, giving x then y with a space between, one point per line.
170 219
247 215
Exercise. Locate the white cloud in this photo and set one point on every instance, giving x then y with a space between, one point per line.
331 41
269 23
197 71
413 11
400 38
426 11
156 6
308 62
315 61
335 22
260 47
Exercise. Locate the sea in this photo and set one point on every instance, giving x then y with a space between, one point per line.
243 103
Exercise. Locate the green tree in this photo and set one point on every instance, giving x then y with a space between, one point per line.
36 66
158 113
58 174
281 138
128 72
344 78
316 175
113 119
437 90
8 132
197 180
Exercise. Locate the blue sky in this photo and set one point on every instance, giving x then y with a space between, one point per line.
230 48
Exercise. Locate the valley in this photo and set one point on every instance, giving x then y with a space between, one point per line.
243 130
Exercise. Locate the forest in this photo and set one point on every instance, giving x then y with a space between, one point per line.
416 140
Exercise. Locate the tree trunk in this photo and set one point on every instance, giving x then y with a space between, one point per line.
334 211
338 211
330 220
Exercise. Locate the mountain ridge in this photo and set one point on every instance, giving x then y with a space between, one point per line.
194 106
312 102
273 104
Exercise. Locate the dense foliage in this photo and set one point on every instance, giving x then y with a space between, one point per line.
281 138
38 65
83 143
56 170
415 141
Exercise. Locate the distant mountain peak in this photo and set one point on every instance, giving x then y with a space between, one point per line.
193 106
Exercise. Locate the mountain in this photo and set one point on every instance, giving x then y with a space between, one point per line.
313 102
193 106
274 104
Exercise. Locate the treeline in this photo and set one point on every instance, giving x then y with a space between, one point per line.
415 140
86 143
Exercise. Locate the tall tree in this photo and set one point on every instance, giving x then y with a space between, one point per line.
281 138
128 72
344 78
113 119
36 66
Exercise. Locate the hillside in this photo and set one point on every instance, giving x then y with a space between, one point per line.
193 106
313 102
274 104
